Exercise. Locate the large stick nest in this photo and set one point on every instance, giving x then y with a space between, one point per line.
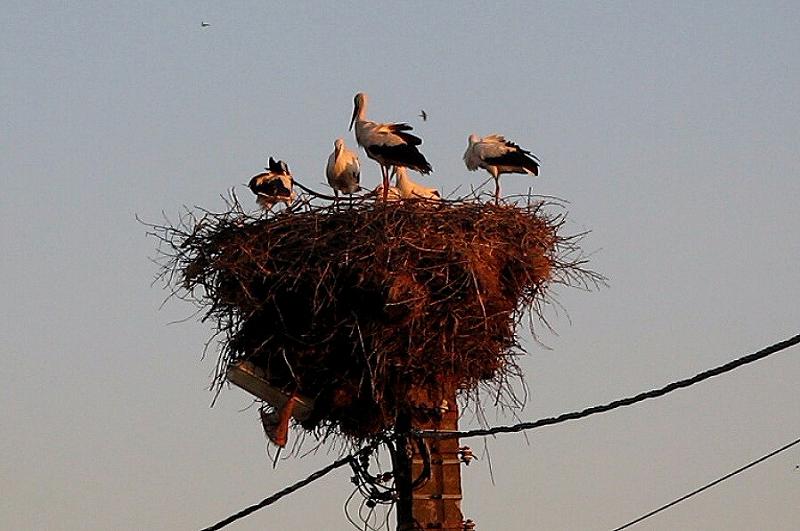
355 304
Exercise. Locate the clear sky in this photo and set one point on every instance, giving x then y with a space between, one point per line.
672 129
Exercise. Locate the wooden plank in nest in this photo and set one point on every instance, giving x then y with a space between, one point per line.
255 381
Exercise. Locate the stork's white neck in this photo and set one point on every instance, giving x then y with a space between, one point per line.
403 182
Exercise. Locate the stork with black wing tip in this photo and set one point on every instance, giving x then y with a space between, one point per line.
274 186
343 170
497 155
388 144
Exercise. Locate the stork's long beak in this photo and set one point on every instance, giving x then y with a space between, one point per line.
353 118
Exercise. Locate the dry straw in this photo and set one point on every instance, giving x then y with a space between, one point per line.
356 303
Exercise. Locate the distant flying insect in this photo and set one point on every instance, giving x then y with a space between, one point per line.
422 114
343 170
388 144
410 190
274 186
497 155
204 24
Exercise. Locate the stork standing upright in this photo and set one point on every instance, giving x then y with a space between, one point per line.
274 186
388 144
497 155
343 170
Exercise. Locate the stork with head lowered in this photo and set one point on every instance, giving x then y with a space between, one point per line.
343 170
497 155
274 186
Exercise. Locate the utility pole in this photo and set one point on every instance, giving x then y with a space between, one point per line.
428 471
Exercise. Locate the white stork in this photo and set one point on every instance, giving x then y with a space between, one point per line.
387 144
497 155
410 190
343 170
274 186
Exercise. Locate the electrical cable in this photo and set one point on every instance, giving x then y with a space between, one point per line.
777 347
280 494
655 393
291 488
708 486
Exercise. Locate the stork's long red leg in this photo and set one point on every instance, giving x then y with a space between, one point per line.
385 175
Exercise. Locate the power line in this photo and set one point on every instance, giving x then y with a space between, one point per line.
655 393
777 347
705 487
294 487
281 493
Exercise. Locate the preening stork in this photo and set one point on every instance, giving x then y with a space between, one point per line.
410 190
274 186
388 144
343 170
497 155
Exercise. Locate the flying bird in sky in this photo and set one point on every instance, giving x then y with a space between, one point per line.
343 170
273 187
204 24
497 155
422 114
388 144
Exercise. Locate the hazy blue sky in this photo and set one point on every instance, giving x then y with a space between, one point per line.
672 128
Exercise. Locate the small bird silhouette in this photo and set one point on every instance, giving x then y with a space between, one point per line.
422 114
204 24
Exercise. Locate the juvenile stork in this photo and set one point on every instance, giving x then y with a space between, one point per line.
497 155
343 170
410 190
274 186
388 144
